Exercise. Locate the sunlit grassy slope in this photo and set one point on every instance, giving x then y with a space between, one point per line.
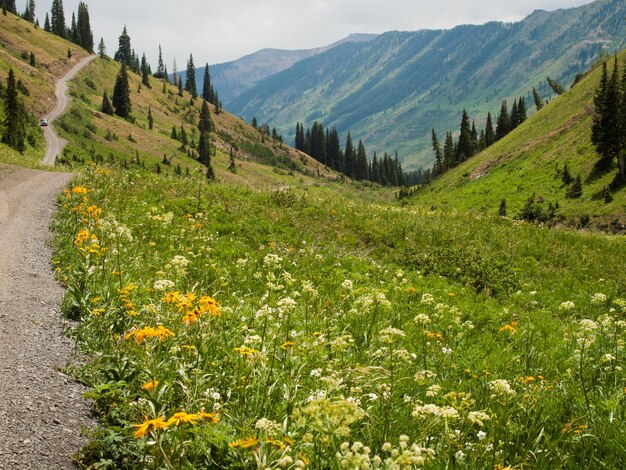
18 39
528 161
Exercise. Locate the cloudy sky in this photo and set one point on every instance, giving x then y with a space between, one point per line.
220 31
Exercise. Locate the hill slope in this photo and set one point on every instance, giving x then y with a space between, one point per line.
234 78
529 161
391 91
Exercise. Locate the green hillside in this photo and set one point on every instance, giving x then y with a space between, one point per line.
393 90
530 160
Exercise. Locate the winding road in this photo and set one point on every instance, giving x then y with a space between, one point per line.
41 409
54 144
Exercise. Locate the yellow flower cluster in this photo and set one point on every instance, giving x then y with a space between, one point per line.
126 302
245 351
159 332
246 443
510 328
177 419
81 237
193 307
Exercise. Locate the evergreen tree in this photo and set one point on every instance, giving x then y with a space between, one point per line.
575 190
101 48
490 135
334 156
4 8
73 36
207 90
106 107
174 134
502 209
566 176
538 100
83 26
210 173
317 144
124 53
14 116
606 126
205 124
449 160
232 166
31 10
160 71
349 157
514 118
521 111
57 20
438 167
464 147
180 87
204 148
183 136
558 89
502 125
190 80
121 94
46 25
474 138
254 123
361 163
150 118
299 142
32 60
145 72
10 6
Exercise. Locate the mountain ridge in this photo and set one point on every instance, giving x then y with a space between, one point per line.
391 91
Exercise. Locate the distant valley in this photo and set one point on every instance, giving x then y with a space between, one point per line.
390 90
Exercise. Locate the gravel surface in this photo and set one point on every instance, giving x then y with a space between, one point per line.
41 409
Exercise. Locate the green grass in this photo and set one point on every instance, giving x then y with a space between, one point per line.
529 160
331 312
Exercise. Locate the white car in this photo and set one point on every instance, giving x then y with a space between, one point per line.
43 122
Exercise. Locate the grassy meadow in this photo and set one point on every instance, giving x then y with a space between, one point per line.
230 327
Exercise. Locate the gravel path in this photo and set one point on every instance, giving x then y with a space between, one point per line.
41 409
54 144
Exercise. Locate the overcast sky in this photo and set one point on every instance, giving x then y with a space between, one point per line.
220 31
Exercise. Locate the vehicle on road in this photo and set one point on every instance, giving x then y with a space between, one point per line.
43 122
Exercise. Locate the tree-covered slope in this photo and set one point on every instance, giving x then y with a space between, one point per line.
391 91
531 160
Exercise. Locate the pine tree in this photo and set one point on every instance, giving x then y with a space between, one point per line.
334 156
210 173
46 25
558 89
538 100
150 118
566 176
465 147
121 94
31 10
204 148
4 8
438 167
124 53
349 158
10 6
145 72
160 71
490 135
57 20
206 123
502 125
32 60
207 90
449 160
254 122
180 87
83 26
232 167
174 134
502 209
575 190
73 36
521 111
361 163
190 79
106 107
514 118
14 116
101 48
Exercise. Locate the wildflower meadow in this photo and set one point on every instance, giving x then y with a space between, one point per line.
227 327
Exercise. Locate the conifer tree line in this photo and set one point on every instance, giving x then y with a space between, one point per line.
79 31
15 116
608 132
324 146
470 141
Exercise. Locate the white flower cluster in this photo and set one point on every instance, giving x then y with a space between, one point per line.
501 387
163 284
431 410
271 260
178 265
598 298
112 229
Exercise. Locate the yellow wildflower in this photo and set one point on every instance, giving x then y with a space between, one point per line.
209 304
244 443
149 424
287 344
81 237
97 311
509 328
93 212
148 332
79 190
150 385
210 417
181 417
245 351
172 297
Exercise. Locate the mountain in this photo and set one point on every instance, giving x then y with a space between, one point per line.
392 90
231 79
530 161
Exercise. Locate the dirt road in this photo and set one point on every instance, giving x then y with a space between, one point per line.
54 144
41 409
